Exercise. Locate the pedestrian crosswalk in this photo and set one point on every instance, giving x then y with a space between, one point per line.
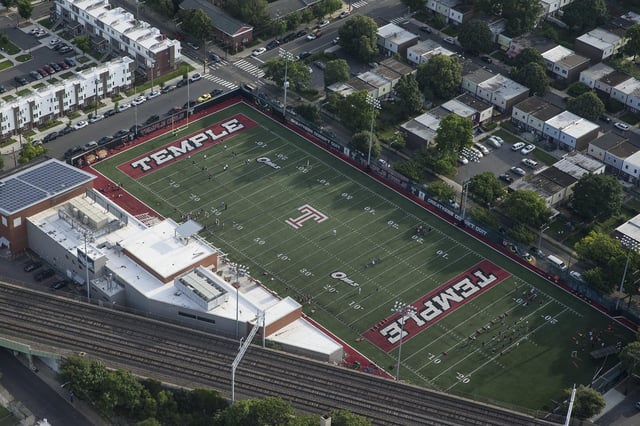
249 68
221 82
398 21
218 65
361 3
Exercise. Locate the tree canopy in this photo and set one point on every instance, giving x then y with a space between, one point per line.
630 358
486 188
440 76
358 37
353 110
335 71
298 73
528 55
597 195
475 36
521 16
253 12
588 402
526 207
588 105
534 77
196 23
632 47
25 8
453 134
360 141
408 92
585 14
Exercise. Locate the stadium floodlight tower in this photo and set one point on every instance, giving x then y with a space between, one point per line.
375 104
632 245
287 56
244 345
405 311
241 271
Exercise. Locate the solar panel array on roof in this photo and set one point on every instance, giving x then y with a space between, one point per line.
38 183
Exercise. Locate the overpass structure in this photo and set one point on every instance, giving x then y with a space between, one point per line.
50 325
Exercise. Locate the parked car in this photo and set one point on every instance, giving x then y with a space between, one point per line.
120 133
89 146
80 124
320 65
289 37
54 41
51 136
193 46
301 33
66 49
96 118
304 55
323 24
20 80
110 113
576 276
152 119
72 151
32 265
622 126
195 77
425 29
44 274
214 57
167 89
492 141
518 146
42 72
530 163
343 14
463 160
527 149
66 130
189 104
182 82
134 129
506 178
123 106
605 118
70 61
216 92
311 36
259 51
152 95
450 40
35 75
518 171
174 110
55 66
48 69
63 65
104 140
487 59
138 101
272 44
2 89
481 148
535 250
204 97
336 40
57 285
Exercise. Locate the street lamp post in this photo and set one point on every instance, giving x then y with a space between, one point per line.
241 270
404 311
96 111
287 56
153 70
375 104
86 266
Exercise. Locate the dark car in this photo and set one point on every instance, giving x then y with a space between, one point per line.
63 65
272 44
110 113
189 104
536 251
182 82
288 37
20 80
57 285
66 130
66 49
167 89
104 140
51 136
2 89
58 46
72 151
42 72
134 129
35 75
55 66
152 119
305 55
214 58
487 59
32 266
48 69
301 33
174 110
120 133
605 119
425 28
216 92
505 177
70 62
43 275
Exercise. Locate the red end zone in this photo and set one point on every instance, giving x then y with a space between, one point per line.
436 305
191 144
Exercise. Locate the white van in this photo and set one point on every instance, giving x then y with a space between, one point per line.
557 262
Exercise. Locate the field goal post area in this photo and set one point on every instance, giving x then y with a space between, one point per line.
179 129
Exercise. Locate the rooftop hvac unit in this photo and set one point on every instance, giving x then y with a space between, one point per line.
85 219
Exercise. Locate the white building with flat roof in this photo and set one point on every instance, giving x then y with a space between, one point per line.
113 29
592 74
166 270
599 44
502 92
65 96
395 40
425 50
570 131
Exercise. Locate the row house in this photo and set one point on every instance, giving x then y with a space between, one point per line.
531 114
378 82
424 50
393 40
564 64
551 7
226 30
592 74
454 11
600 44
500 91
53 101
628 93
467 106
117 31
614 84
620 155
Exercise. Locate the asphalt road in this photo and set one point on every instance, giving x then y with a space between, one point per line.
28 388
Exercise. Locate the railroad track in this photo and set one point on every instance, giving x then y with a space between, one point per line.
195 359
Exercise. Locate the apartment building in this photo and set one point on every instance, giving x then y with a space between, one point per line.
113 29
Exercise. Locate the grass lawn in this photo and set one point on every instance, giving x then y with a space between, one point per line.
10 48
545 157
6 418
364 248
24 58
630 117
508 137
24 92
5 64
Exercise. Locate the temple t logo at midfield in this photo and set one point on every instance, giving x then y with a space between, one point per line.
308 213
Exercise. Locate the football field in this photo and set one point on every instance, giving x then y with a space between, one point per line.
311 226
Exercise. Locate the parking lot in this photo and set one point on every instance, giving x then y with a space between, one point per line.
498 161
40 49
